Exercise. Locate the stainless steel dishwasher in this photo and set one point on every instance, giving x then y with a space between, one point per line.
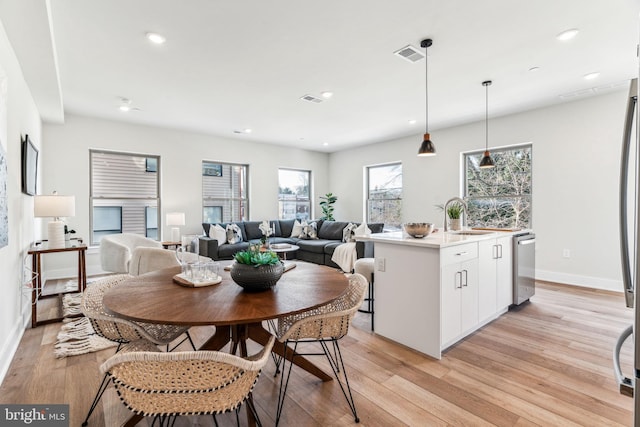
524 267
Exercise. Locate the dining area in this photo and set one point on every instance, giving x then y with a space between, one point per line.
231 337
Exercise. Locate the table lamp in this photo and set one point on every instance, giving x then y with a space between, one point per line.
176 219
54 206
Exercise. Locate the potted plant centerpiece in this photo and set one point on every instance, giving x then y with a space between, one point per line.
454 211
255 270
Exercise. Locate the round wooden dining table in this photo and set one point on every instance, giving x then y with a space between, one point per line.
238 315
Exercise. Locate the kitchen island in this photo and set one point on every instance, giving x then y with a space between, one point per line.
432 292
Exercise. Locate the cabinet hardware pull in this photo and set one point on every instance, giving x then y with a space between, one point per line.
461 253
458 280
500 249
466 278
495 252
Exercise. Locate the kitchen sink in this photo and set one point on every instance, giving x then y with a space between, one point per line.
472 232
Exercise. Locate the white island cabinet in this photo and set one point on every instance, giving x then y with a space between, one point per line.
432 292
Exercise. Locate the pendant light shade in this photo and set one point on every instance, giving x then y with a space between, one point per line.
487 162
427 148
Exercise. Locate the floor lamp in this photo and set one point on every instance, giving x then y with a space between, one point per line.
56 207
175 219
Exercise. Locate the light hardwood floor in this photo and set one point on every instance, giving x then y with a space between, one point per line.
546 363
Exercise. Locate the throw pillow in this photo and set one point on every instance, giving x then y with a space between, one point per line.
362 230
234 234
309 231
348 233
297 229
218 233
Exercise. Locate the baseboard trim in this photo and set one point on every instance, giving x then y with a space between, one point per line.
10 346
578 280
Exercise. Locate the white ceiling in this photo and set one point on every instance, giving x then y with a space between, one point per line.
232 65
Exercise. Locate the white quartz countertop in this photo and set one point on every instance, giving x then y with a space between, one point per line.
437 239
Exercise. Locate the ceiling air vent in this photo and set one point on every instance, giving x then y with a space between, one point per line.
409 53
311 98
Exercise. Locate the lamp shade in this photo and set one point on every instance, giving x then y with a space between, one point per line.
175 218
54 206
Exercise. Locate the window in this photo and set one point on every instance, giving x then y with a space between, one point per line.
384 195
224 192
124 194
294 194
501 196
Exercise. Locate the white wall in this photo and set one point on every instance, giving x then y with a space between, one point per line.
576 155
21 118
66 168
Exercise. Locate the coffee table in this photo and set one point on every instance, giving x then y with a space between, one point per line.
284 251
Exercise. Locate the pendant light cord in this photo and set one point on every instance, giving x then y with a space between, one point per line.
486 84
426 90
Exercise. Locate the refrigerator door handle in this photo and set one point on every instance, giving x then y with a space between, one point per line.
624 178
625 383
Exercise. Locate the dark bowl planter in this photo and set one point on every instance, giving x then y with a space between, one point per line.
256 278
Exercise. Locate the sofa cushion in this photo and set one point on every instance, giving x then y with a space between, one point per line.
309 231
330 247
349 233
284 227
296 229
218 233
252 230
316 246
331 230
228 251
234 234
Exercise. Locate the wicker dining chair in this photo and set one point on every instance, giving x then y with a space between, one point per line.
121 330
167 385
326 325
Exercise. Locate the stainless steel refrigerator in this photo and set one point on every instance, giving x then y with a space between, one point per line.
629 238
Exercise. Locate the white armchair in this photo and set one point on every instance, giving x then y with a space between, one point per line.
116 250
144 260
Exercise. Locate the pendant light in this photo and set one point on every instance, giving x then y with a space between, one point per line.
427 148
487 162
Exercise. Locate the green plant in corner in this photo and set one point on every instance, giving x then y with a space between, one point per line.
253 256
326 204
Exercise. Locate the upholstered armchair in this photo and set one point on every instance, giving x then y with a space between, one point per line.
116 250
144 260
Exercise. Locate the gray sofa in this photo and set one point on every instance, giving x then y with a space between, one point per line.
318 251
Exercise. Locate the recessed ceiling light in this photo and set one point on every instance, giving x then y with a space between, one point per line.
247 130
125 105
568 34
412 122
325 144
327 94
534 69
591 76
156 38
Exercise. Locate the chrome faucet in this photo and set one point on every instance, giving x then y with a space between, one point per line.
464 211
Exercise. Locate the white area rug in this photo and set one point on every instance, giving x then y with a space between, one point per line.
76 335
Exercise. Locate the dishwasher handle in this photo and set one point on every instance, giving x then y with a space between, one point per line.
526 242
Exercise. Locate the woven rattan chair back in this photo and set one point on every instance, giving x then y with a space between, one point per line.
326 325
184 383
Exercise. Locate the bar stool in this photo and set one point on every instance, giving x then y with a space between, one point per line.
365 266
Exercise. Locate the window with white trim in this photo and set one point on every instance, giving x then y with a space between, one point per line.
124 194
224 192
499 197
294 194
384 195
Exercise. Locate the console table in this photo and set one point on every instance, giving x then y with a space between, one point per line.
36 252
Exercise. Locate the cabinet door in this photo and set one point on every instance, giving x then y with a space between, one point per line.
451 285
504 271
488 252
469 295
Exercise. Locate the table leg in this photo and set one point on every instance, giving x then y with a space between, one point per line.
219 339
